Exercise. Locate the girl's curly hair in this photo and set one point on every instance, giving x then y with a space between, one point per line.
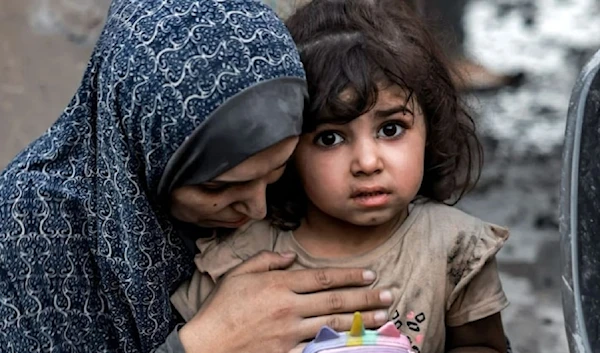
358 45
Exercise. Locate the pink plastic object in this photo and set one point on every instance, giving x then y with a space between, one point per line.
358 340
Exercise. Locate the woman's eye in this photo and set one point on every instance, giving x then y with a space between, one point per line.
328 139
214 188
390 130
275 175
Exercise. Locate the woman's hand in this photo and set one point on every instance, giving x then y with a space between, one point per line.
257 307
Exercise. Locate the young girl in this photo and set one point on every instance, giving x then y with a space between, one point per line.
386 144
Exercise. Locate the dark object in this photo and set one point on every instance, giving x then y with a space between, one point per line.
446 19
580 213
496 82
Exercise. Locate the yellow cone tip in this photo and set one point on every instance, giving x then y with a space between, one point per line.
358 328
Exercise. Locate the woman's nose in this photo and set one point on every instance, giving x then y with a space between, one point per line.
253 202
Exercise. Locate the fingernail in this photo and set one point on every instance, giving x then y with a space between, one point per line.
385 297
288 254
381 316
369 276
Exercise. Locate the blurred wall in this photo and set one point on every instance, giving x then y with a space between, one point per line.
44 47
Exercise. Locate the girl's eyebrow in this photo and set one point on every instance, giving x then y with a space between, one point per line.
384 113
379 114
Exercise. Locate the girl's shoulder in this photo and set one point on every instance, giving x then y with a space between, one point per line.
452 221
466 246
459 233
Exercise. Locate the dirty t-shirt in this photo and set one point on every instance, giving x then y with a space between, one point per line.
285 8
439 264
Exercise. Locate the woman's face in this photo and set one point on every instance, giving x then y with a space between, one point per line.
236 196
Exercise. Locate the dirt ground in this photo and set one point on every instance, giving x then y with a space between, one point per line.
45 44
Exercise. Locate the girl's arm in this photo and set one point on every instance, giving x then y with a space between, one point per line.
481 336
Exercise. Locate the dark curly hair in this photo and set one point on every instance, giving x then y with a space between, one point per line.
358 45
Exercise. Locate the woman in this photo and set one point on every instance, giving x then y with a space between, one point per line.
186 111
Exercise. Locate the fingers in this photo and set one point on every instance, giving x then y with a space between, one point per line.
263 262
299 348
346 301
316 280
341 322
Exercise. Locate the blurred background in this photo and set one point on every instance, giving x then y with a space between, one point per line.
45 44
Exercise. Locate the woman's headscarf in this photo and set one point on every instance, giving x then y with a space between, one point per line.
176 92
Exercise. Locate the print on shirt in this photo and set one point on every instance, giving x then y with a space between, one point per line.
413 323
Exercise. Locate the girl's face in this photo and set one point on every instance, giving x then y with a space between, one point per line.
367 171
236 196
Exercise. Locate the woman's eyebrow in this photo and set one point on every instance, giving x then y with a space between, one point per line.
217 182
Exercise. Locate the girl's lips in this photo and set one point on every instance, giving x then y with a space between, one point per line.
374 199
369 190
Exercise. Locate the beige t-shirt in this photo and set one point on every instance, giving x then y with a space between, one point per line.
439 265
285 8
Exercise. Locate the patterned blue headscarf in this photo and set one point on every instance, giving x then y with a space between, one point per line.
88 252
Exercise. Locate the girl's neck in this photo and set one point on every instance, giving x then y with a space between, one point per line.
327 237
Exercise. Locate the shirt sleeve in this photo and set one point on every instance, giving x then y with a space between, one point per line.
188 298
483 296
474 286
216 257
172 343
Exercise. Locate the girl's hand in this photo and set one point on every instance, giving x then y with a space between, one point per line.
257 307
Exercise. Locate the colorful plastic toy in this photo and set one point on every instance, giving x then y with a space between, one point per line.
385 340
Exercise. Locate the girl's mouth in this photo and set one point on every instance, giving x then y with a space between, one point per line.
371 197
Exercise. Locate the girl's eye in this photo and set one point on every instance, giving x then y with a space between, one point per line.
390 130
328 139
